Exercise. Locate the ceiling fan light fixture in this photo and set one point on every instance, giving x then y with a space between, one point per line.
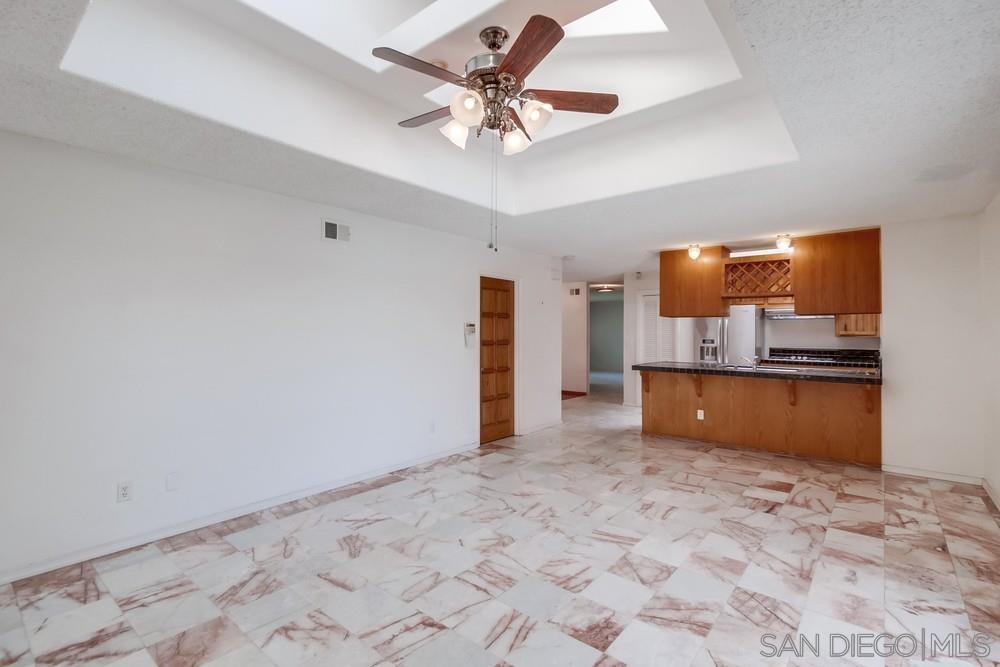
536 115
467 107
514 142
456 132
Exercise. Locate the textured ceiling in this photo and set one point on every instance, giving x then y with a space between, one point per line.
893 107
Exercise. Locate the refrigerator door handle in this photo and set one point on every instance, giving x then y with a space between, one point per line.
723 341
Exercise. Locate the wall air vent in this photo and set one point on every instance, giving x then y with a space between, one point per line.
337 231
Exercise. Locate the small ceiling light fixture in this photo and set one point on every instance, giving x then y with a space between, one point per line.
605 289
694 251
784 242
457 133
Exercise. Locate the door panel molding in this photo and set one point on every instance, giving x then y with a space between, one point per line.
497 358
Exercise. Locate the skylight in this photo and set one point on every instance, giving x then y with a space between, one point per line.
622 17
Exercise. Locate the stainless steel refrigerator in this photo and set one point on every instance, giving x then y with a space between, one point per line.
735 339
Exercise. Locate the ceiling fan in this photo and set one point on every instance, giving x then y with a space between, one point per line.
494 82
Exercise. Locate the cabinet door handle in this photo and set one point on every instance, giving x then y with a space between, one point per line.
792 395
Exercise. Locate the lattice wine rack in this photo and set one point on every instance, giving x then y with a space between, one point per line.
759 278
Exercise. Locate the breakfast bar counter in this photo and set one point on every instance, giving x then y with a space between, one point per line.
831 413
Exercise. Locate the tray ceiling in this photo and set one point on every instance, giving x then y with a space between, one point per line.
740 119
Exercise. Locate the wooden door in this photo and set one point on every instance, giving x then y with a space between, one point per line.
496 359
692 287
838 273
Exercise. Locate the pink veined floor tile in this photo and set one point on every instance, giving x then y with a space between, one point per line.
589 622
587 543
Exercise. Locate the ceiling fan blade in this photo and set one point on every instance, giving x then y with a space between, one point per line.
517 121
569 100
418 65
425 118
540 35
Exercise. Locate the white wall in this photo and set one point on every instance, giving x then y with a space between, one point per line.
155 322
933 411
575 342
648 280
812 334
990 254
607 334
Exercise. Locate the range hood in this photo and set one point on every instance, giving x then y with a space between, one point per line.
789 314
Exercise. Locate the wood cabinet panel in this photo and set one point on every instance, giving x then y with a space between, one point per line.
858 325
838 273
674 406
767 415
723 402
828 420
692 287
838 421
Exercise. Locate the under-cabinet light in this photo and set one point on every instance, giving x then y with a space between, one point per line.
759 251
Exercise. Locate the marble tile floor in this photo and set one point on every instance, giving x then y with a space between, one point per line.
584 544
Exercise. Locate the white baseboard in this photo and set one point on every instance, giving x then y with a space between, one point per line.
933 474
538 427
194 524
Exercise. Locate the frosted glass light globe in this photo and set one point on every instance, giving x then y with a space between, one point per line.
694 251
514 142
536 115
467 107
457 133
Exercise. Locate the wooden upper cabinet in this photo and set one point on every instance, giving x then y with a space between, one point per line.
857 325
692 287
837 273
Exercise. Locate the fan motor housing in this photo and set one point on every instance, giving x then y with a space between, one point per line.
484 61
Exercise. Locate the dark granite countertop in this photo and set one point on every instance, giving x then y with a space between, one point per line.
816 374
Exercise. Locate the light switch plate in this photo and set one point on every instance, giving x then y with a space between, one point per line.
701 415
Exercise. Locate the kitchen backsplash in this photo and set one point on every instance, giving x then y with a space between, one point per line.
812 334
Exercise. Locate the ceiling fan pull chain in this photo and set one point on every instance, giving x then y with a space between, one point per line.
496 207
492 245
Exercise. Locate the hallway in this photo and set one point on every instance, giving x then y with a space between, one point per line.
606 386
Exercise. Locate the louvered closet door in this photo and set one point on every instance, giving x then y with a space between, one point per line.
496 359
656 336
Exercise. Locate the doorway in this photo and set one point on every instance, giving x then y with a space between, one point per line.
607 341
496 359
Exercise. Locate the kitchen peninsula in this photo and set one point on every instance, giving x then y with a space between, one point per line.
824 403
823 412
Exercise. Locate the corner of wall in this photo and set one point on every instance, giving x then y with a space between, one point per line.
634 283
989 249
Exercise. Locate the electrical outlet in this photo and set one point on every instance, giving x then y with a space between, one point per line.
173 481
124 492
701 415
